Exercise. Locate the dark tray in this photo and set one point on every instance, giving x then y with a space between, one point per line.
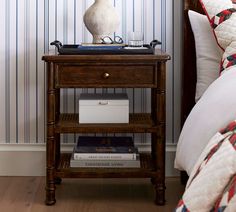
71 49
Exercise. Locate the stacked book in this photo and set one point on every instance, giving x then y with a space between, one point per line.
101 152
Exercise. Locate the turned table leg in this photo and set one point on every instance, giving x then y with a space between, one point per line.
51 137
158 138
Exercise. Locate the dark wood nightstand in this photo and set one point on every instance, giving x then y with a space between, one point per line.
106 71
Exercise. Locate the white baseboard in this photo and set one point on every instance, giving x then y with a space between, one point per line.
30 159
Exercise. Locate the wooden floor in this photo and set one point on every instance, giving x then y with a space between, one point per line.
26 194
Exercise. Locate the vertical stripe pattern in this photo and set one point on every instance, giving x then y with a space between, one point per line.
7 70
30 26
16 71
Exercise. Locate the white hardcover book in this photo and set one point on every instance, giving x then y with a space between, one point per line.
105 163
105 156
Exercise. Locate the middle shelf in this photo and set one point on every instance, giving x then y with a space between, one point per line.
138 123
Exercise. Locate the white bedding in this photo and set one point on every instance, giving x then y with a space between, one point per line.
215 109
207 144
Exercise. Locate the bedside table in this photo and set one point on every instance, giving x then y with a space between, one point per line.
106 71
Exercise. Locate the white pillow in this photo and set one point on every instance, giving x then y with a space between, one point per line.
212 112
208 53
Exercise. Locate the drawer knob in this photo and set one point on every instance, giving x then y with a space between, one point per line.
106 75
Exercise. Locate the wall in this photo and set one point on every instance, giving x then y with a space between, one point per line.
27 28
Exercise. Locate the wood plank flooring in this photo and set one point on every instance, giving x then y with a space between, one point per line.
27 194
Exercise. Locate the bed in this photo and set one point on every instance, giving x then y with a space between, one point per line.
206 150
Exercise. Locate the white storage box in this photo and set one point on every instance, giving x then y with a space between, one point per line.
104 108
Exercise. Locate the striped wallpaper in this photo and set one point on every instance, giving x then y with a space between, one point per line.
28 27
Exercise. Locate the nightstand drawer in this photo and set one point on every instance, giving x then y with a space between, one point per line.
105 76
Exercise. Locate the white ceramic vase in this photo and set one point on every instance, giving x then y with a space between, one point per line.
101 19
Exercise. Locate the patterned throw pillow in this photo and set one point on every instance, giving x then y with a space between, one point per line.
211 185
222 17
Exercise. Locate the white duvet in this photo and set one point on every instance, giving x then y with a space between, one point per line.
215 109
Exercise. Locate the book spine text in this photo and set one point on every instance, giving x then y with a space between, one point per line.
104 156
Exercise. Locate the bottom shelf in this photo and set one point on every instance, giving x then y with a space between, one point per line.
146 170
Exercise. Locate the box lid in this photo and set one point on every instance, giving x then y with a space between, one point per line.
103 99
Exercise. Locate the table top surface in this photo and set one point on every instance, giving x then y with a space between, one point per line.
53 56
